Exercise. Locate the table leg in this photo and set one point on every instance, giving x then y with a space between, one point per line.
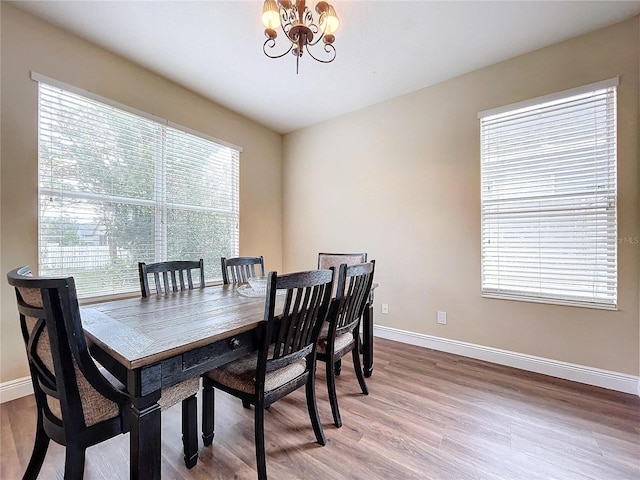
145 428
367 344
145 442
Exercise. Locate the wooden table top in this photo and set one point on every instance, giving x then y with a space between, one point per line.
140 331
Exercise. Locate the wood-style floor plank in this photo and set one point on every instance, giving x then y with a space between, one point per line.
429 415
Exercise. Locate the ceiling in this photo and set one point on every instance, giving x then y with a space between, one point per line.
384 48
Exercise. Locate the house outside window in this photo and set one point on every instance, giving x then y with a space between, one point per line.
117 186
548 201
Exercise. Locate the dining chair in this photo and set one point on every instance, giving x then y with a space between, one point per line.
240 269
328 260
286 355
78 404
170 277
341 333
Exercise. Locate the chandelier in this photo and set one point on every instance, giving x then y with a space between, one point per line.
300 29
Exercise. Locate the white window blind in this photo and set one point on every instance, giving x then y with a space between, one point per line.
117 188
548 173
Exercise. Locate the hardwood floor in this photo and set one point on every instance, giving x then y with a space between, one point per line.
429 415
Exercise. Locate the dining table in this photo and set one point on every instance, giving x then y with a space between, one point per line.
152 343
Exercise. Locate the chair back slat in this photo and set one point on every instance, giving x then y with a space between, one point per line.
170 276
241 269
294 329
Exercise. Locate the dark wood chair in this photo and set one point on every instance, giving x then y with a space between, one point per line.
169 277
240 269
341 333
78 405
285 359
328 260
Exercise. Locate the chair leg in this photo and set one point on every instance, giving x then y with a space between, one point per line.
261 460
246 404
190 430
312 406
39 451
208 411
338 367
359 374
333 398
74 462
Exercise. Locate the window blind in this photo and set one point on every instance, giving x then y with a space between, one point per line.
548 201
117 188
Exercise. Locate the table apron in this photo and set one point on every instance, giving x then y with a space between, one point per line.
154 377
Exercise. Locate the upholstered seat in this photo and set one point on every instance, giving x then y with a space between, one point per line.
178 393
340 342
241 374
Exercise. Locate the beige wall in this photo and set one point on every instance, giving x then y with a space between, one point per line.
401 180
29 45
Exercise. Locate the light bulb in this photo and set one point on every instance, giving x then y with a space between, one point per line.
270 15
329 21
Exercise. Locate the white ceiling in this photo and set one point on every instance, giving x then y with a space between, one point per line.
384 48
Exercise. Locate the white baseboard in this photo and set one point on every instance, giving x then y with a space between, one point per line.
578 373
20 387
620 382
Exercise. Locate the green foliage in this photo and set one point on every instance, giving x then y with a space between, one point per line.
119 174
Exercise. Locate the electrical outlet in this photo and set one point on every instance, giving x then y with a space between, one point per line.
442 318
385 308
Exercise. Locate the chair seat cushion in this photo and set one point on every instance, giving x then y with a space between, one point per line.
341 342
179 392
241 374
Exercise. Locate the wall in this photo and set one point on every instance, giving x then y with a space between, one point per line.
29 44
401 180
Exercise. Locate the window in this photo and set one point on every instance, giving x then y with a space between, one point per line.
118 187
548 173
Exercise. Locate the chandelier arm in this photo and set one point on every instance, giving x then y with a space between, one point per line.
330 49
316 30
318 38
272 43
